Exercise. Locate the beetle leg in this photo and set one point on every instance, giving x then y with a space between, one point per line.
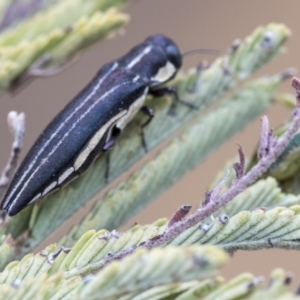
107 146
150 113
106 174
171 91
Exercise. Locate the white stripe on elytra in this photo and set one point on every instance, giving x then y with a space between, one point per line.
115 65
49 188
61 141
139 57
65 175
38 196
133 109
94 141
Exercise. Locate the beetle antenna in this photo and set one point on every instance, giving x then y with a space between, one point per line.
201 51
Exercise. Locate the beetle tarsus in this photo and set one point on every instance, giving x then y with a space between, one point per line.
150 113
171 91
107 169
109 144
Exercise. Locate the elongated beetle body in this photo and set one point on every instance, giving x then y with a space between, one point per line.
91 122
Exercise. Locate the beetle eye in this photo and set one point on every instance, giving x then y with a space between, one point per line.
174 56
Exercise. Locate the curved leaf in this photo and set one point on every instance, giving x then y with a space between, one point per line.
145 269
57 32
264 193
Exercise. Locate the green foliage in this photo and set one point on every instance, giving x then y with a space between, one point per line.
131 276
264 215
59 31
51 213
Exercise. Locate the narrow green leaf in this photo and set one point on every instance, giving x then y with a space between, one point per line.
134 274
60 16
264 193
58 32
201 289
42 287
144 269
237 288
260 229
277 289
